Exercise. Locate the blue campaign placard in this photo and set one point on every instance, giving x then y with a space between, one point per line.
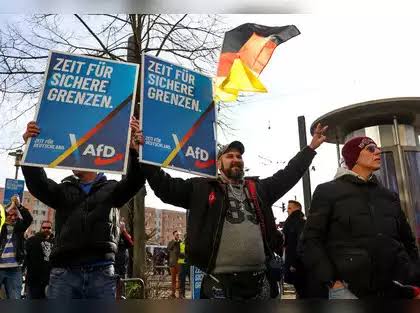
178 118
13 187
196 279
83 113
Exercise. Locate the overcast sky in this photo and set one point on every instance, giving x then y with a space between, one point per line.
335 62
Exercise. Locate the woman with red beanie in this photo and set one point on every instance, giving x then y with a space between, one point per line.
357 240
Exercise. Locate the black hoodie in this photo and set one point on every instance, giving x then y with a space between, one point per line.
37 259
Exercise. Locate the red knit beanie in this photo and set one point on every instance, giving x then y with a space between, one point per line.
352 148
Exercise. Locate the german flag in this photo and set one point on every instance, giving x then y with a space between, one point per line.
245 52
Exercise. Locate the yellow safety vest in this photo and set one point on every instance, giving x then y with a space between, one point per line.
181 251
2 216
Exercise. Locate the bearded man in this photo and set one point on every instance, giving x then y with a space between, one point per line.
232 235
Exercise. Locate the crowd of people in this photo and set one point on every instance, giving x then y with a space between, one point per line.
355 242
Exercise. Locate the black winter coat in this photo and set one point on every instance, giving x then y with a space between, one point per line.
18 238
292 229
206 200
86 225
357 232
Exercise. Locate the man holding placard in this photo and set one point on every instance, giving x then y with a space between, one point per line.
87 229
231 227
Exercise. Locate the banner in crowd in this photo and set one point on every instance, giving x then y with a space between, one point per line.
178 119
196 279
83 113
13 187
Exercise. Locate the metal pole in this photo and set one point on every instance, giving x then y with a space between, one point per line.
404 183
18 157
338 154
306 179
337 145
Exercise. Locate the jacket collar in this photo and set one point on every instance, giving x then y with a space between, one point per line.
100 178
348 175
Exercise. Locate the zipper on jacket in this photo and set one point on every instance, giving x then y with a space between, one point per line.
85 213
218 233
371 213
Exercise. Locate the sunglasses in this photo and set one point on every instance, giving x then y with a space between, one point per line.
372 148
46 227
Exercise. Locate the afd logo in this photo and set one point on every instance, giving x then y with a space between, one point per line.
200 155
105 155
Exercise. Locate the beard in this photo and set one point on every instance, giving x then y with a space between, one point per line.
235 171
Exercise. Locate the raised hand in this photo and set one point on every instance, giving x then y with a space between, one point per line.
319 136
32 130
137 137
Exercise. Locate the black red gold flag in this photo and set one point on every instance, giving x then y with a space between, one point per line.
247 49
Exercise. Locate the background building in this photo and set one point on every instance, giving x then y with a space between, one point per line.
164 222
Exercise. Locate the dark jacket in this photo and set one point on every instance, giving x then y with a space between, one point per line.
87 229
357 232
18 234
206 200
173 251
292 229
122 256
37 259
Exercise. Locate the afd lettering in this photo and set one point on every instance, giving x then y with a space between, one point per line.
100 151
197 153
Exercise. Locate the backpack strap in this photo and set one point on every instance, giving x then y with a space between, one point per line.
252 189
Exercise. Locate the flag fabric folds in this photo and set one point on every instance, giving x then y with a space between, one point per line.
245 52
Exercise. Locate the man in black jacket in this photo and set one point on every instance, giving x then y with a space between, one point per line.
12 251
37 261
230 238
86 224
292 229
357 239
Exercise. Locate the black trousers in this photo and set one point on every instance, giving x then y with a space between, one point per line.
36 291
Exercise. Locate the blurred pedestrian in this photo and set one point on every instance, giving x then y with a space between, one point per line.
12 247
37 261
173 251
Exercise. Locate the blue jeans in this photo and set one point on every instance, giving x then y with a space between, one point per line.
85 282
12 280
341 293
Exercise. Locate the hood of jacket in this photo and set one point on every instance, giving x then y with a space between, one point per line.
353 176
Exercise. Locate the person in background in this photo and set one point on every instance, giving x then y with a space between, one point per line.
292 230
122 256
183 266
12 250
173 251
37 261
